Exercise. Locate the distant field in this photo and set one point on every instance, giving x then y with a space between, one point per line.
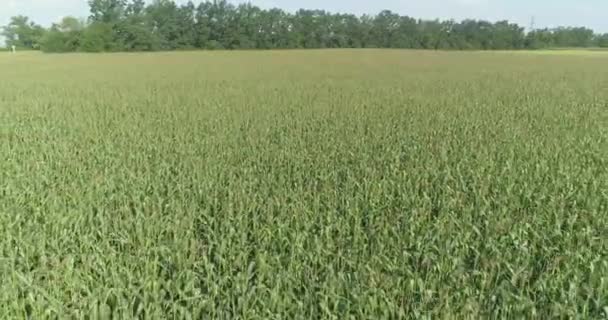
341 184
600 52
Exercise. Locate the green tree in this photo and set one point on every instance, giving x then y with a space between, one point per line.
64 36
212 24
22 33
385 29
430 34
507 36
573 37
162 15
97 37
539 39
137 25
134 31
107 11
202 27
186 26
602 40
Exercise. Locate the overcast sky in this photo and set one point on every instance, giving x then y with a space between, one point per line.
547 13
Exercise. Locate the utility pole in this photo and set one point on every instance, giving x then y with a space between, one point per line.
532 23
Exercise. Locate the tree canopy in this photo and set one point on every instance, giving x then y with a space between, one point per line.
133 25
22 33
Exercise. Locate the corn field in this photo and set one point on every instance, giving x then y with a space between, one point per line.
345 184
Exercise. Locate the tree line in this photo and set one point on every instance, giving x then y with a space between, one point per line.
133 25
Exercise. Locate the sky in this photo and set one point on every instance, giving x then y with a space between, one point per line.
546 13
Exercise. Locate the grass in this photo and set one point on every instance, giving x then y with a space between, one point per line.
303 184
588 52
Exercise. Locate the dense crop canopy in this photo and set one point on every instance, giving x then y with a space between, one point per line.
304 185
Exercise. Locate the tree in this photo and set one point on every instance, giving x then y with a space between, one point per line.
573 37
140 25
384 29
107 11
539 39
430 34
162 15
64 36
22 33
602 40
202 27
186 26
134 31
97 37
507 36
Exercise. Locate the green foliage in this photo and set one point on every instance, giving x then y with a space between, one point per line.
22 33
107 11
304 185
98 37
562 38
134 33
602 40
136 37
165 25
65 36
